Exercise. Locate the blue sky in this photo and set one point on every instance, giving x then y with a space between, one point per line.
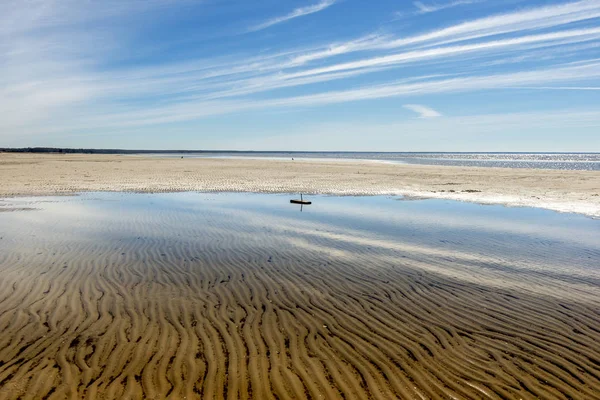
443 75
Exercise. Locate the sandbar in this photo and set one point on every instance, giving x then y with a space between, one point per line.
55 174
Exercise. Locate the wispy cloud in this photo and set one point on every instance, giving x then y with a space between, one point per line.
54 81
521 21
560 87
296 13
191 110
424 8
423 111
458 132
453 85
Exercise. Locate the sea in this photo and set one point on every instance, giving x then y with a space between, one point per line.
561 161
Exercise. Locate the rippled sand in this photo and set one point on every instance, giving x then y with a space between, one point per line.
35 174
218 296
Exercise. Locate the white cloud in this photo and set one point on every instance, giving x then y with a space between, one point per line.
512 22
451 133
280 79
54 82
298 12
423 111
520 21
445 51
193 110
424 8
454 85
561 87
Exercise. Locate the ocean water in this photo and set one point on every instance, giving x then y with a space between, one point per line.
564 161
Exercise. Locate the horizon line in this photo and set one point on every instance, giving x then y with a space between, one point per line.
72 150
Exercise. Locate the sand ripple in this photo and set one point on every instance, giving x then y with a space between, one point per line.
223 309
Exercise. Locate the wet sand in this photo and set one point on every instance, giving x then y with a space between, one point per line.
43 174
142 297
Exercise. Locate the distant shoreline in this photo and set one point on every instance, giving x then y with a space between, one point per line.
53 150
557 161
67 150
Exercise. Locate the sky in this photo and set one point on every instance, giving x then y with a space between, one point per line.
305 75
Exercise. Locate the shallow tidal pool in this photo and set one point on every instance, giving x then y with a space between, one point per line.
201 295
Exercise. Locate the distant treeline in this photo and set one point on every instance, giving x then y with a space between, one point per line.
94 151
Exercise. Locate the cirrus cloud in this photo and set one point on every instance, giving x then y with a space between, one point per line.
423 111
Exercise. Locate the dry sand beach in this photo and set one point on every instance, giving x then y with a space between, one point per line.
565 191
